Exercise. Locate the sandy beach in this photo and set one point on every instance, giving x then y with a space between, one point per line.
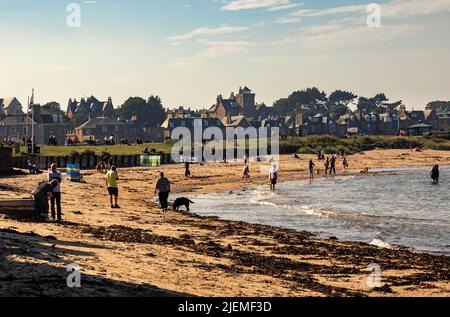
138 251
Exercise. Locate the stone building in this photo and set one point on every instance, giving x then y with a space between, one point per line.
98 128
323 125
10 107
242 104
441 110
88 108
190 123
18 125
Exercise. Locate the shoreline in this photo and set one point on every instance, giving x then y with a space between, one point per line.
349 174
139 251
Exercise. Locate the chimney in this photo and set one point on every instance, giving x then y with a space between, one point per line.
402 112
229 119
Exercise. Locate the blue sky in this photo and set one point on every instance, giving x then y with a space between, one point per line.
188 51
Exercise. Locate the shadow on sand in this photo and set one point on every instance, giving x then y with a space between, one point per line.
31 265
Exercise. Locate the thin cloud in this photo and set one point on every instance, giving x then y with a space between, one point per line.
237 5
393 9
204 31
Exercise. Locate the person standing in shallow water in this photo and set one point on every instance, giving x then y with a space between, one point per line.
162 188
333 165
435 174
327 165
311 169
273 177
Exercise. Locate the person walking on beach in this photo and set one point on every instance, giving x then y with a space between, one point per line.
311 169
435 174
111 183
55 175
327 165
333 165
187 169
273 177
246 172
162 188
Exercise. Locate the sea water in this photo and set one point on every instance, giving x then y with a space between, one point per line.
396 207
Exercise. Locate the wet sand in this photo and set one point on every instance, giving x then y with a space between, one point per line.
139 251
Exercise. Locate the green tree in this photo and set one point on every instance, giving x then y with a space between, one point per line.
310 98
339 101
133 106
54 107
378 104
149 113
158 113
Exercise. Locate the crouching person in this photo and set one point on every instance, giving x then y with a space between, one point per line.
42 195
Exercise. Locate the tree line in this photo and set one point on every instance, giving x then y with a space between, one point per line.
312 101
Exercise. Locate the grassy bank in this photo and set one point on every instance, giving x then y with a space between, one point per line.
313 144
302 145
113 150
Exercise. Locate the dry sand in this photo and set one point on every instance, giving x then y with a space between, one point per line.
137 250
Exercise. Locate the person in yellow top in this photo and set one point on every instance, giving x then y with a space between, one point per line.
111 183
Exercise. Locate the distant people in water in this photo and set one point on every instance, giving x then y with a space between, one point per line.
273 177
327 165
435 174
311 169
333 165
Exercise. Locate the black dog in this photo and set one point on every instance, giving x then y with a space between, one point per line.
181 202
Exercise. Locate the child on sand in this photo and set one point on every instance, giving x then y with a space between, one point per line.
111 183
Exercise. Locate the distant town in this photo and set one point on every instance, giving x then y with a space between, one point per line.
303 113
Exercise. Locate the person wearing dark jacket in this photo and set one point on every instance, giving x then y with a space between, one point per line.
42 194
435 174
162 188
